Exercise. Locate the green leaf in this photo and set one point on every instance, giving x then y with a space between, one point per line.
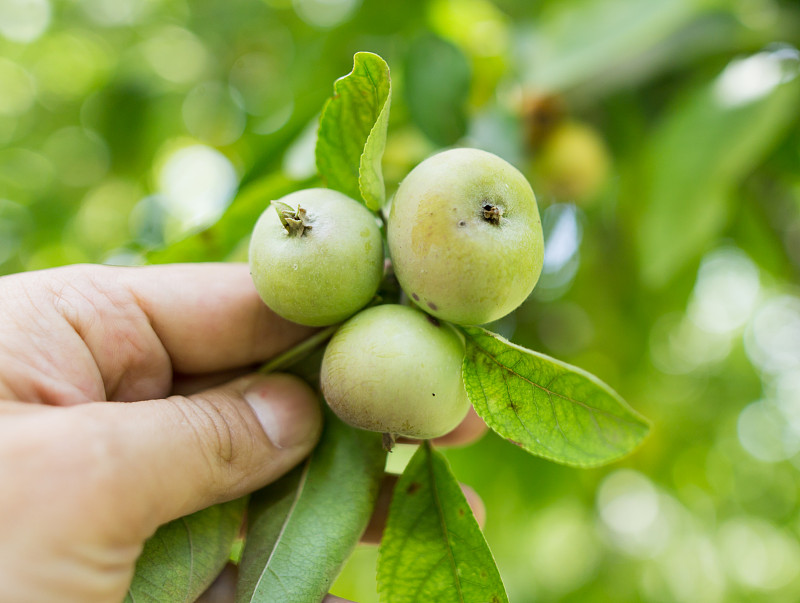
303 527
433 548
547 407
183 557
705 147
576 42
352 131
224 238
437 82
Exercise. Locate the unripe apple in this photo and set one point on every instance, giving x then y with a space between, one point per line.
396 370
573 162
465 236
316 256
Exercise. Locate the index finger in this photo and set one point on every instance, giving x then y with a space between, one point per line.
84 333
209 317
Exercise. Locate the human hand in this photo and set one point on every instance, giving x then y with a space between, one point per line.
86 481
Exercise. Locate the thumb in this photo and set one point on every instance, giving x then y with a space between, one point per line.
175 456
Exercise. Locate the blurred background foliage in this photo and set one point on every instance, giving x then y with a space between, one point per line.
662 139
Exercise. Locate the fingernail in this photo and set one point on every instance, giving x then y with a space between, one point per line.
286 408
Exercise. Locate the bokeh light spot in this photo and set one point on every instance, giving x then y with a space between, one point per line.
476 25
629 507
299 161
262 83
18 91
765 434
772 340
175 54
325 13
627 501
80 156
692 571
563 549
24 20
757 555
747 80
70 65
726 291
15 222
114 13
101 223
563 233
25 172
196 184
213 114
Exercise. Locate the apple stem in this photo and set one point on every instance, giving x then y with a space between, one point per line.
389 440
295 221
299 351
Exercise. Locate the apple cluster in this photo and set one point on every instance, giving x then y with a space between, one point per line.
465 241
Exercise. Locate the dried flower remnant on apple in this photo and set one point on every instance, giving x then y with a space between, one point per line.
295 221
318 259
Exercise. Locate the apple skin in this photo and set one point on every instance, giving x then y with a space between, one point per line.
396 370
455 259
326 274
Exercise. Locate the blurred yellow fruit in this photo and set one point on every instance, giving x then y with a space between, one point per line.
572 163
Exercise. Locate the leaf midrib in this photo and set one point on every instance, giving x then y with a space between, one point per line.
191 558
300 488
442 523
549 392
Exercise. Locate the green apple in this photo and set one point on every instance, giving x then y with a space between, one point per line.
465 236
316 256
573 163
396 370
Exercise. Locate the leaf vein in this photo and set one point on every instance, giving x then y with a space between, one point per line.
443 524
300 488
191 558
583 405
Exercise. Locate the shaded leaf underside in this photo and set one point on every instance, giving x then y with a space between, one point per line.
303 527
183 557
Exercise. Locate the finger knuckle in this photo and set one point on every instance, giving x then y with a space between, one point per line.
220 430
